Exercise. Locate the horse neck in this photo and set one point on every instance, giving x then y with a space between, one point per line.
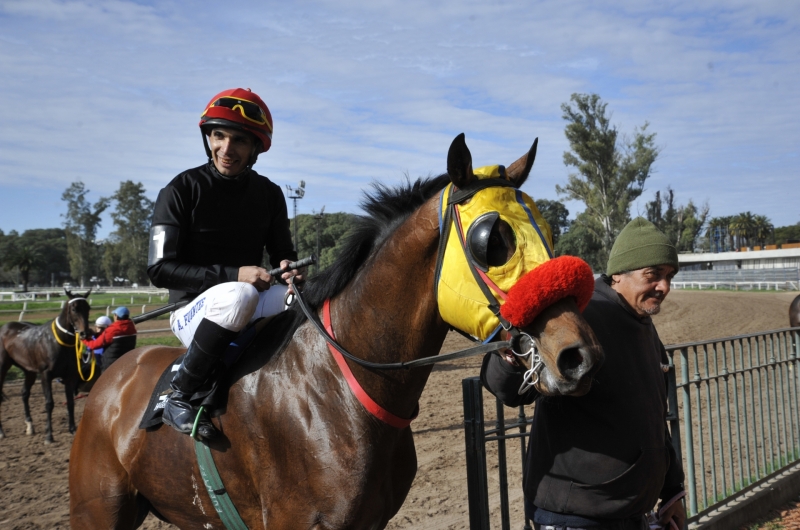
389 312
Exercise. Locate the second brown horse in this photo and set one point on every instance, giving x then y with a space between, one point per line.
314 458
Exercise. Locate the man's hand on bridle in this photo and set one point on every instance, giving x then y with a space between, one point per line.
298 275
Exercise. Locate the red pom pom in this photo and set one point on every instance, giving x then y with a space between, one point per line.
546 284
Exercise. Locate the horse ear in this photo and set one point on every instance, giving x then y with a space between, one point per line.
459 162
518 171
68 293
88 293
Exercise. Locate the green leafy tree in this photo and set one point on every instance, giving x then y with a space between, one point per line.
125 252
785 234
681 224
611 170
52 244
556 215
80 224
22 256
332 229
583 242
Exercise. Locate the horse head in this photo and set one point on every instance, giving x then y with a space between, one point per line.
76 311
497 276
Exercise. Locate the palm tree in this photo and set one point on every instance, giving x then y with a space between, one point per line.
742 226
25 257
762 229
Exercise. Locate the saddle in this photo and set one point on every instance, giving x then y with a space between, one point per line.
215 397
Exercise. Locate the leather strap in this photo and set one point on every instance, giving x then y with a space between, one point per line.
362 396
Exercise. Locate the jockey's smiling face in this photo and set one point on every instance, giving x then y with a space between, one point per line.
231 150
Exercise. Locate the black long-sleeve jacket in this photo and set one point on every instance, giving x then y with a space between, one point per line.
205 227
606 454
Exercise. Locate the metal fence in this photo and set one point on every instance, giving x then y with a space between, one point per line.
758 279
734 418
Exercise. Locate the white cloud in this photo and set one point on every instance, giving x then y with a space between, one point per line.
112 91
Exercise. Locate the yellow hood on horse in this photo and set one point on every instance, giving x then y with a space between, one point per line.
462 303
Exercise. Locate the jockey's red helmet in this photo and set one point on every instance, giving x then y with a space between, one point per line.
239 108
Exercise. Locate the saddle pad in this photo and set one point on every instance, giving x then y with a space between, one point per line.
213 399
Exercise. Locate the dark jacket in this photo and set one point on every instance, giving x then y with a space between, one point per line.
216 225
117 339
606 454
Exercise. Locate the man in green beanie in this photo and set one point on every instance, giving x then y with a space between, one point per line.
603 460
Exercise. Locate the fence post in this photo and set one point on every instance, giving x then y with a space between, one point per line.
477 483
505 519
143 306
108 310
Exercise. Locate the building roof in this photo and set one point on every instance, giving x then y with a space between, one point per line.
731 256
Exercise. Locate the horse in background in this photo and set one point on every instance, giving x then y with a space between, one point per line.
298 449
794 312
50 350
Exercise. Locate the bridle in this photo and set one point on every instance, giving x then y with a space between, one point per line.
521 344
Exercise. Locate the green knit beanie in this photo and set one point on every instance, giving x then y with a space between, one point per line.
640 245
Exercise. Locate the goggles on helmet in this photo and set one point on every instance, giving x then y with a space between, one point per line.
249 110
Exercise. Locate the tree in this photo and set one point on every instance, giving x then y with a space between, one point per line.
556 214
582 242
681 224
742 226
612 170
21 255
80 223
125 253
333 228
785 234
762 229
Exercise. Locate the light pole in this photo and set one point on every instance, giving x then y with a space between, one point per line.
318 217
295 194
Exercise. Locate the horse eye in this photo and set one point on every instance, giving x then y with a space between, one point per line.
490 241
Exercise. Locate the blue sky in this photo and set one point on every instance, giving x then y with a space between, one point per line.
363 91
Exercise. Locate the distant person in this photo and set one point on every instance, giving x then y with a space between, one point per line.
115 340
100 325
603 460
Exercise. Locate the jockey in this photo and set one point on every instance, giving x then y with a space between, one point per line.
210 228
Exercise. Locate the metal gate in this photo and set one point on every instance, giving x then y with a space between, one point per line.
734 419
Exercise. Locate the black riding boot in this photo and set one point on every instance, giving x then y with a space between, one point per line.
197 371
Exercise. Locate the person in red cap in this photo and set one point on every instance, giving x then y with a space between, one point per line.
210 228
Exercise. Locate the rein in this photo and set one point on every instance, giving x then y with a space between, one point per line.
407 365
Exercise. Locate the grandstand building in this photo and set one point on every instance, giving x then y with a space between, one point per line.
746 269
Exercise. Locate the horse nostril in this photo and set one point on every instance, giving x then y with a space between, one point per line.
571 363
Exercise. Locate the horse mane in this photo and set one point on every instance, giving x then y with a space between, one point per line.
386 209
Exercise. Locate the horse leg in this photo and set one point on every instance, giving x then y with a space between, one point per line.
30 379
5 366
70 388
49 405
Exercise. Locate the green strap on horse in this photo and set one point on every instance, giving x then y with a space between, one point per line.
216 489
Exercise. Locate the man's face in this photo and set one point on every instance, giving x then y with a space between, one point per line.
231 150
644 289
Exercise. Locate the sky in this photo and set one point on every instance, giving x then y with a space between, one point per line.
364 91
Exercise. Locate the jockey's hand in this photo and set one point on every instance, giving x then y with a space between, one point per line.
298 274
255 276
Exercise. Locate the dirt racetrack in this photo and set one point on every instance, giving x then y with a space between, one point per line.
33 476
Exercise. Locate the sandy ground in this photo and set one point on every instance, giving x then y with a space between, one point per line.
33 476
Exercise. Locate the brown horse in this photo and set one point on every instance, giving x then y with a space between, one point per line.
794 312
40 349
298 449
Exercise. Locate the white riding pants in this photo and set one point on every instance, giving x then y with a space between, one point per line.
231 305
